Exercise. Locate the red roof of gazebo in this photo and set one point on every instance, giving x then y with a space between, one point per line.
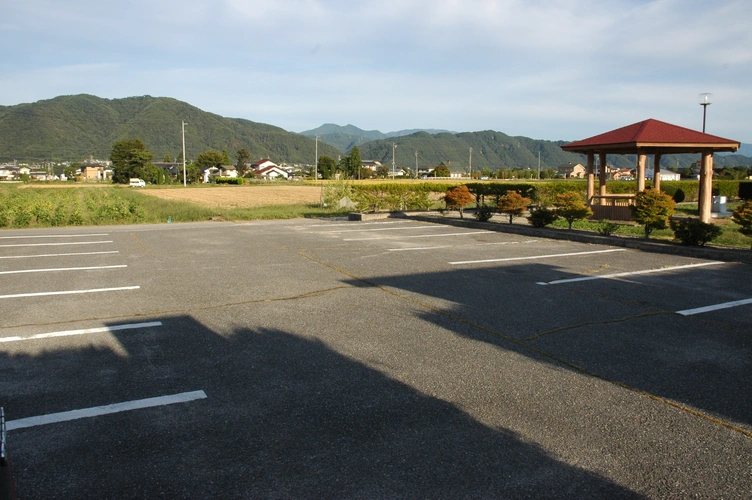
652 135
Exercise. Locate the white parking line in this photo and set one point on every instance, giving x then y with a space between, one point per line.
69 292
62 269
53 236
57 254
353 223
96 411
69 333
632 273
459 246
725 305
55 244
382 229
416 236
534 257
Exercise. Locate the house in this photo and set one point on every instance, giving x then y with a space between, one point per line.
371 164
666 175
264 163
93 172
571 171
621 174
221 171
271 172
8 172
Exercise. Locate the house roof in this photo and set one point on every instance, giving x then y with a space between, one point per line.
261 162
652 136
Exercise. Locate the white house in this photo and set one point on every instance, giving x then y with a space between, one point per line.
666 175
271 172
263 164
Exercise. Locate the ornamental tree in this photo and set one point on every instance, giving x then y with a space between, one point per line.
571 207
743 216
513 204
457 197
652 209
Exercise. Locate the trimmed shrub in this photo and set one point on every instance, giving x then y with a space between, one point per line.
607 228
230 180
571 207
652 209
513 203
484 213
542 217
694 232
457 198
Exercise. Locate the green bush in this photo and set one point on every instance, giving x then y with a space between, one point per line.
694 232
542 217
230 180
652 209
607 228
484 213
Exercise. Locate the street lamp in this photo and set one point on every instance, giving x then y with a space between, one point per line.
705 100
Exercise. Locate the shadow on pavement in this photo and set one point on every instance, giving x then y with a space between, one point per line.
285 417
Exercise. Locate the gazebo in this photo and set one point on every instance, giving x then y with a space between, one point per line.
649 137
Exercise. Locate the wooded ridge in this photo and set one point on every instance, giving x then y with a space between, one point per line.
79 126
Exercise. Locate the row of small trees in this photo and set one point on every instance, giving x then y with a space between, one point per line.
568 206
652 209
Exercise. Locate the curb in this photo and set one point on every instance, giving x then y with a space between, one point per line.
655 246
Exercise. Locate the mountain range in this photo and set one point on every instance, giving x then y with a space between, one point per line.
345 138
81 126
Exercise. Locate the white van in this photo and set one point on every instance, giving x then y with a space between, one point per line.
139 183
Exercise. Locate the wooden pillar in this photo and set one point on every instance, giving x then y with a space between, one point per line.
590 178
641 172
706 186
657 171
602 174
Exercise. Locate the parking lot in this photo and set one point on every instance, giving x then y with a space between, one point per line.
327 358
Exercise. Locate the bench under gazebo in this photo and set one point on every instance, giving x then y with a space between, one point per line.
649 137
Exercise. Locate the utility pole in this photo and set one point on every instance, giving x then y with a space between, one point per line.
538 165
316 161
470 162
394 146
416 163
184 180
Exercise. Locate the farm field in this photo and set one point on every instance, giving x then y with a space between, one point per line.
241 196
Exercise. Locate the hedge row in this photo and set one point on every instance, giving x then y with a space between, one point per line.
401 196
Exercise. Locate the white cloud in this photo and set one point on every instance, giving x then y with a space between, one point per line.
546 69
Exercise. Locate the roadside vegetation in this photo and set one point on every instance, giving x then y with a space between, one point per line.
21 208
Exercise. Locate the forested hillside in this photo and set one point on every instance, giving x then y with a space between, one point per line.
79 126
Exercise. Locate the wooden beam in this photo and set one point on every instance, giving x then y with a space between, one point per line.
706 186
590 178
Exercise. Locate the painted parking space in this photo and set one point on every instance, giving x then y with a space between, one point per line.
367 351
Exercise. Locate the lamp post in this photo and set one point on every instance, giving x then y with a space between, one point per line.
705 100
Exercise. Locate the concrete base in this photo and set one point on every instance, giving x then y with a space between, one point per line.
375 215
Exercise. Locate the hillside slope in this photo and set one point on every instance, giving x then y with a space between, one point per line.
76 127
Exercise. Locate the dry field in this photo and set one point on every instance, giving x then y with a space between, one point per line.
241 196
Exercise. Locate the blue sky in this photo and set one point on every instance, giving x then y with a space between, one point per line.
559 69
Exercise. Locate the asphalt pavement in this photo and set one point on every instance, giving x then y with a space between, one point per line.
323 358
